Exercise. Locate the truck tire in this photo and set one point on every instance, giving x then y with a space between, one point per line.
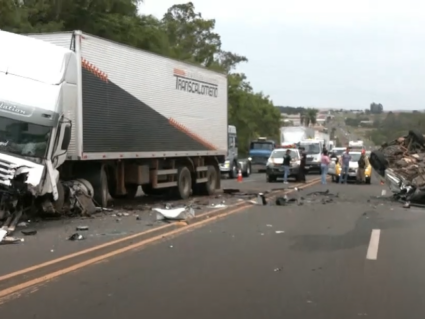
233 171
184 183
247 171
99 181
378 162
417 136
210 187
131 190
270 179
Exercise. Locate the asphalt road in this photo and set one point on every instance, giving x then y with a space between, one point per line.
125 219
348 254
257 182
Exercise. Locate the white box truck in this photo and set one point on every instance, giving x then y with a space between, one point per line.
75 107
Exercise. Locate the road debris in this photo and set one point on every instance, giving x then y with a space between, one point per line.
181 213
12 240
402 165
79 203
279 231
29 232
76 236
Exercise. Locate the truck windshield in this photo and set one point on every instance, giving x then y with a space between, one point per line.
262 146
23 139
311 148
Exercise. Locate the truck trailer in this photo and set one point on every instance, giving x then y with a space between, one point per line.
76 107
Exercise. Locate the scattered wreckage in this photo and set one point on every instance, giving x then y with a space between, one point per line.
17 200
402 165
75 198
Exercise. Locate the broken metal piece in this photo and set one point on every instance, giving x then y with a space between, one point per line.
76 236
261 199
29 232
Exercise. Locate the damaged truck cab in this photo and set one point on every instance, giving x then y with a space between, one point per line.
36 81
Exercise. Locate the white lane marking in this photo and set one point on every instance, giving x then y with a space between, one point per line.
372 250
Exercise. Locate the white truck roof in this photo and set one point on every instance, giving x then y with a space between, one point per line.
31 71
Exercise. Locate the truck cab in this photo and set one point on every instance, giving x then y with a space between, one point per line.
231 166
38 85
233 163
259 153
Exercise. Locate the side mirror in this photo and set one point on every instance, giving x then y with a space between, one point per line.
66 138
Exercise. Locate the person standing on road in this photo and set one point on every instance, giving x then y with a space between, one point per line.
345 164
303 162
286 165
325 166
363 162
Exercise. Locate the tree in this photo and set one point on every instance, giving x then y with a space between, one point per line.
191 37
309 117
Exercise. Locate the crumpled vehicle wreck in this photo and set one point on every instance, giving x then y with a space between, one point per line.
402 164
19 187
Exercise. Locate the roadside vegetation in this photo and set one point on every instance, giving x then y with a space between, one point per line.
380 128
182 33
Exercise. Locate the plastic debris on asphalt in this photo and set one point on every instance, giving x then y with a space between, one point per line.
76 236
181 213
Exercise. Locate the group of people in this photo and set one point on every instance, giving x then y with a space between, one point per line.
363 162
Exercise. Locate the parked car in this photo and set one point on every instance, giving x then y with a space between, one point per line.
274 167
335 169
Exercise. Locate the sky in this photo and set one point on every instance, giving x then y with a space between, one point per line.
324 53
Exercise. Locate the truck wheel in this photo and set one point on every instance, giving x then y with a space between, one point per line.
95 174
210 186
233 171
378 162
418 137
131 190
270 179
248 171
99 181
184 182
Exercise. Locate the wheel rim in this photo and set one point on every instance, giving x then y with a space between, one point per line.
185 182
248 170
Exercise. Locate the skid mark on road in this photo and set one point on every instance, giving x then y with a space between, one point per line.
372 250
